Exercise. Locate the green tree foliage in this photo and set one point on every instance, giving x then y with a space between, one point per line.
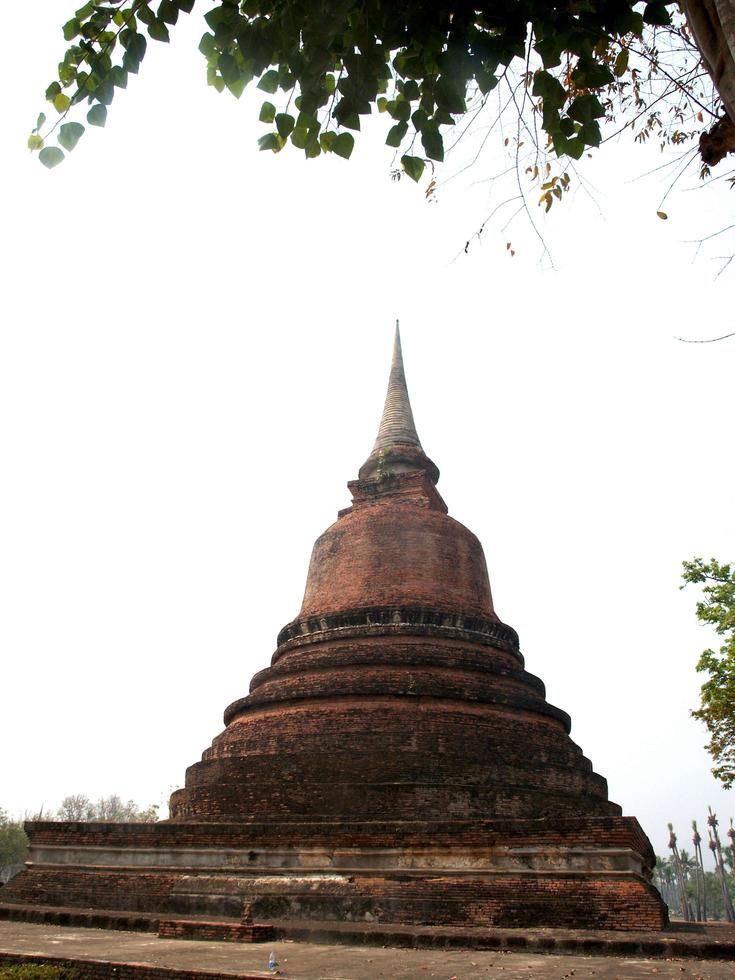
424 66
717 710
13 841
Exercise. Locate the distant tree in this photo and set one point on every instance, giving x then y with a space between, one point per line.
717 699
74 808
665 880
13 841
110 809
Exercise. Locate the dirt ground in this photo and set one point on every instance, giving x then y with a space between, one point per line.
311 961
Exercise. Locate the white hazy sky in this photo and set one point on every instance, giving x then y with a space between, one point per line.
194 349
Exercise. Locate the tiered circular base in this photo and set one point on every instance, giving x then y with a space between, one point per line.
394 721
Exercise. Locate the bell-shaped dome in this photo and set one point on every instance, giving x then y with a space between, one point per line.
395 546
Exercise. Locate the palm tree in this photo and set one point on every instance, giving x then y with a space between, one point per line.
701 890
716 848
686 911
689 868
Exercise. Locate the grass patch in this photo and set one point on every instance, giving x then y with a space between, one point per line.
36 971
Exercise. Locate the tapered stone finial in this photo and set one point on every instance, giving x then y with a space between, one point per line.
398 447
397 425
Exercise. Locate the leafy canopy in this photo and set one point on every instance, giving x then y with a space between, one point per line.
13 841
717 711
333 62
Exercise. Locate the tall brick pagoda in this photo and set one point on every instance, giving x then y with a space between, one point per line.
394 763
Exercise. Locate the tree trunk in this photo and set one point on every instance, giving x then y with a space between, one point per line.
712 24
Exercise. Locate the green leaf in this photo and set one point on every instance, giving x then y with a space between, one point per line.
621 62
414 166
70 134
382 104
550 49
269 82
350 121
590 133
206 45
71 29
61 102
657 14
119 77
575 147
168 11
35 142
284 124
591 74
400 109
269 142
158 30
300 137
216 80
549 88
396 134
343 144
486 81
105 92
84 11
97 115
628 21
237 87
135 47
51 156
228 68
449 96
52 91
411 90
313 149
40 121
433 143
585 108
325 140
267 112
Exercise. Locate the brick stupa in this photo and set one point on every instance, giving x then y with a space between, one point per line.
394 763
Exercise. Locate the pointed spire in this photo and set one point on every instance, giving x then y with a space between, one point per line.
397 426
398 448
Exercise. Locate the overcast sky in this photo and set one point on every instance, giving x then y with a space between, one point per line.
194 351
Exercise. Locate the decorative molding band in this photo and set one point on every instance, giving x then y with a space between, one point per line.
387 620
294 861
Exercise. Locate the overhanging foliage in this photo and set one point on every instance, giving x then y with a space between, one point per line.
333 62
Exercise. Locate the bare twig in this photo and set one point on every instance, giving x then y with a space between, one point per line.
710 340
